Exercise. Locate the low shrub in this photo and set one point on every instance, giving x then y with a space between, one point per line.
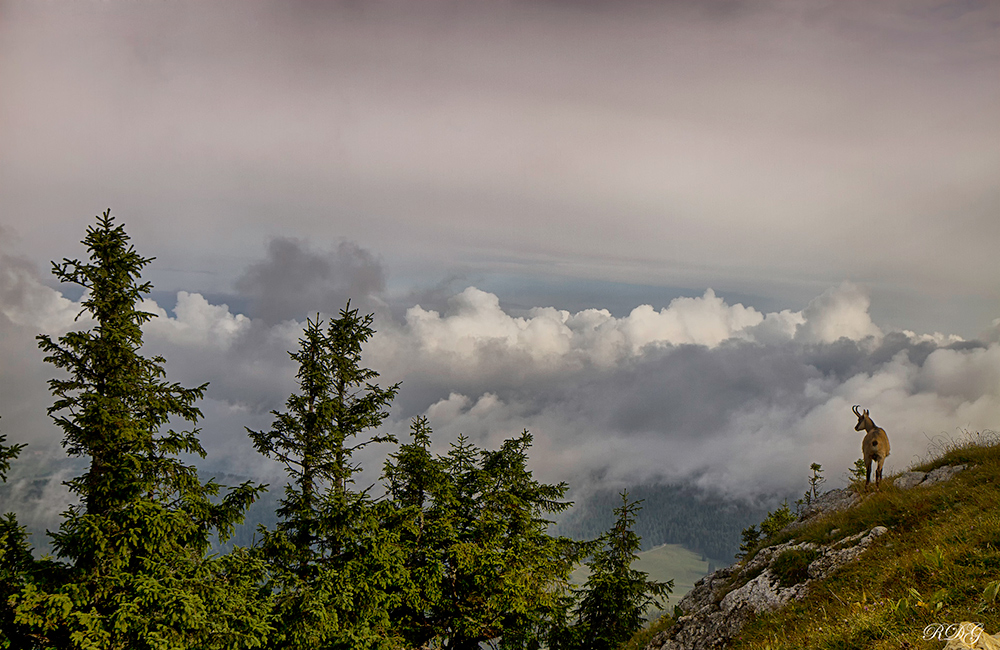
792 566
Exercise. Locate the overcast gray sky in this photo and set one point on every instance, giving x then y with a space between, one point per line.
674 239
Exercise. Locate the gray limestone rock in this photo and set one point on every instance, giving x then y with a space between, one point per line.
762 594
844 551
703 592
908 480
831 501
942 474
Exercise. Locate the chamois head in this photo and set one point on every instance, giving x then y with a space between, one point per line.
864 420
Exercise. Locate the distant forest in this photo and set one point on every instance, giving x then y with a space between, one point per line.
671 514
707 524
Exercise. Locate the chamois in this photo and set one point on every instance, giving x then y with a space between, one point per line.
875 446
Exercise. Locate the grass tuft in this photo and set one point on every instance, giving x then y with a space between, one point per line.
792 566
642 638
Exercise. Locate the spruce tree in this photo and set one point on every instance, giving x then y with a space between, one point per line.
615 596
413 479
131 569
482 564
15 561
7 453
335 569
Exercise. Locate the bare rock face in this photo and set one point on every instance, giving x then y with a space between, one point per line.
762 594
712 618
844 551
832 501
908 480
944 473
701 594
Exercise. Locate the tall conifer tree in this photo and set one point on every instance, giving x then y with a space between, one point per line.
15 561
615 596
132 571
336 569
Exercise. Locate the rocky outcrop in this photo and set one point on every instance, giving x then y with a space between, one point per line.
844 498
832 501
713 617
908 480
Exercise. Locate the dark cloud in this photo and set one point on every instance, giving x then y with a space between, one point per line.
576 146
693 391
295 281
434 296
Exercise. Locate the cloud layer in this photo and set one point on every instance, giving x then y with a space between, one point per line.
699 390
526 151
721 395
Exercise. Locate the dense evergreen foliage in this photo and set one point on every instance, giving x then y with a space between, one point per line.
131 570
15 561
456 553
335 572
483 565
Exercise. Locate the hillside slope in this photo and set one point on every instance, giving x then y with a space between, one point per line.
875 570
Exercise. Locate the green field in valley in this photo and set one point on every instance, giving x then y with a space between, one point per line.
667 562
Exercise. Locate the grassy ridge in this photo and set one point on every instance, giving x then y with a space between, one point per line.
941 554
938 564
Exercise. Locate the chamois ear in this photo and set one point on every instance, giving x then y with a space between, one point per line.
866 412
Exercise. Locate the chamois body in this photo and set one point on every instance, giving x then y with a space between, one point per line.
875 446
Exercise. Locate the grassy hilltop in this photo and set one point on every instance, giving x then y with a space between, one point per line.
939 563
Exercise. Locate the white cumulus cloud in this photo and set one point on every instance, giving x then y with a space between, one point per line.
841 312
719 394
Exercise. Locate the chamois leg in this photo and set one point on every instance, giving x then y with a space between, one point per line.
878 473
868 472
